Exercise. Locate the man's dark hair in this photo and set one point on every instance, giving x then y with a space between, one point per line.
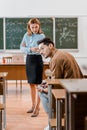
46 41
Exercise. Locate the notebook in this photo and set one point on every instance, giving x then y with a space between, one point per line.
18 58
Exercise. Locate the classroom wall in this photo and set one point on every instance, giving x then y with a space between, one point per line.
27 8
42 7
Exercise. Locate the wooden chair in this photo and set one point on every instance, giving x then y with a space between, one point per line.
53 123
7 59
2 107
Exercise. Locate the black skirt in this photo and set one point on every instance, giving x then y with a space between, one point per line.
34 69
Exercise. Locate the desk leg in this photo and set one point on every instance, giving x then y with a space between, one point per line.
71 112
21 85
67 111
4 101
0 119
58 115
6 84
50 103
50 100
16 84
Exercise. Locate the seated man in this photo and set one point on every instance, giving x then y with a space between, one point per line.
62 65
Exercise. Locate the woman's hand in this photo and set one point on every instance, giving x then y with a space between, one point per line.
24 44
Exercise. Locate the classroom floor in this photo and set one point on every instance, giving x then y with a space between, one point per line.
17 104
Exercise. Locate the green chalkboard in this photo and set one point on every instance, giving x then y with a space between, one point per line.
66 32
47 26
1 33
16 27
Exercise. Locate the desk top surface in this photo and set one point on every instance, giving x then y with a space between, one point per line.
21 63
84 71
52 81
74 85
9 64
71 85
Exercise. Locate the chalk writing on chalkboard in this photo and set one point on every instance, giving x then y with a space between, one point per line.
1 33
66 33
16 28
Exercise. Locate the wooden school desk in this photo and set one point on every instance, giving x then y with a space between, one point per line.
3 101
75 102
52 82
17 71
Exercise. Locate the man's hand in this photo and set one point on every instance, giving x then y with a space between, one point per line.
41 89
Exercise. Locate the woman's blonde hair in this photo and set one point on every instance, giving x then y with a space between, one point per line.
32 21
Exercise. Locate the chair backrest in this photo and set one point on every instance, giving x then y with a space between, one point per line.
18 58
7 59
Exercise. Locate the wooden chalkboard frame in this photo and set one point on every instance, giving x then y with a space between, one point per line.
66 33
1 34
46 26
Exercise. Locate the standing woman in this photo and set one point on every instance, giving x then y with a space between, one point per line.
34 63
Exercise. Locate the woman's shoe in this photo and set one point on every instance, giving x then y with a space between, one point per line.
31 110
35 114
